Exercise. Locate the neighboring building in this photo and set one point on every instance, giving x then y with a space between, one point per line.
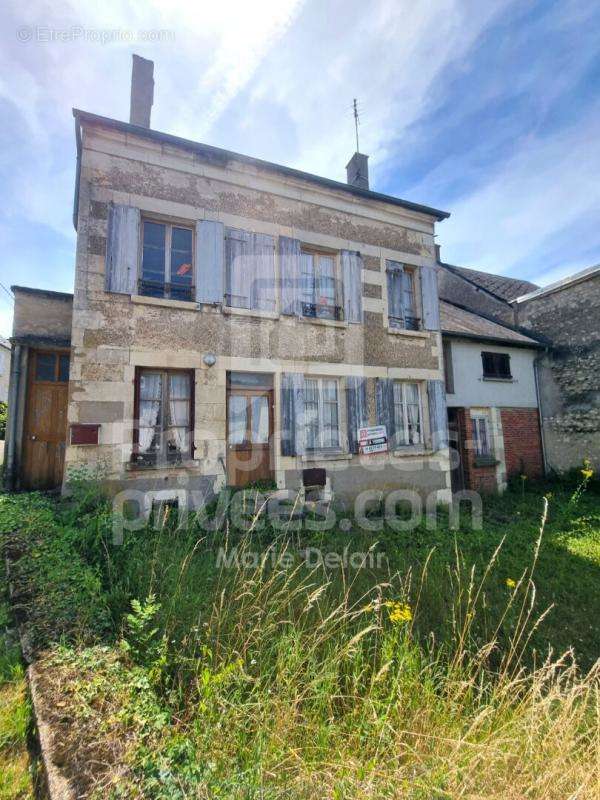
234 320
492 398
566 316
37 420
4 369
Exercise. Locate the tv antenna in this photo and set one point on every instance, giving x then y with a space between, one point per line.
356 122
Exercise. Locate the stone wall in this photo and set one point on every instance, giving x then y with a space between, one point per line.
569 321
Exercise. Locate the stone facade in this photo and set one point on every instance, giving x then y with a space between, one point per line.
113 334
567 318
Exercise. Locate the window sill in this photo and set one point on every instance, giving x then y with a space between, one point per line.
250 312
410 450
189 463
498 380
143 300
330 323
326 456
405 332
485 461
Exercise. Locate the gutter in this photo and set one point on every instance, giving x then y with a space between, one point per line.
77 172
539 405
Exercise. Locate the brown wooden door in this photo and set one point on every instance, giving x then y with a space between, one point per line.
45 431
249 435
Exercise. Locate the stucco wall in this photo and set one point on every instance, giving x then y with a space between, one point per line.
472 389
569 319
112 334
42 314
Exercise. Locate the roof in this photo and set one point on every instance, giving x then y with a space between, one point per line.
502 287
459 321
217 154
582 275
48 292
4 343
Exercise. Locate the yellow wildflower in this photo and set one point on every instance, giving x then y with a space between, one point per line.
587 473
399 612
510 583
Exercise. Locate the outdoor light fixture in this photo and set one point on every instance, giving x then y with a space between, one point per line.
209 359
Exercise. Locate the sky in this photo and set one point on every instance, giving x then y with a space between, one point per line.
489 110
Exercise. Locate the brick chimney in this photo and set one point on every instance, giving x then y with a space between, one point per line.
142 91
357 171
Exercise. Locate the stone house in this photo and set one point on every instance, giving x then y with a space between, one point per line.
566 316
232 321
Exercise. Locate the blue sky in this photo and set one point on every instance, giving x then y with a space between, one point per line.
490 110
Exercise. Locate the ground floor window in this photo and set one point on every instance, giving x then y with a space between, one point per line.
482 436
321 410
164 430
407 413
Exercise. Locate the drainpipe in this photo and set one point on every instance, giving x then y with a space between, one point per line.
13 413
540 415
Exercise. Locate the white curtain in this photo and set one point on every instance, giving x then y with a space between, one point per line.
238 274
262 270
150 399
413 413
179 410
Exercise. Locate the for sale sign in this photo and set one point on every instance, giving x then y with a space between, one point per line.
372 440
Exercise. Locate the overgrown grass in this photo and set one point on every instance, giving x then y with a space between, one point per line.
465 667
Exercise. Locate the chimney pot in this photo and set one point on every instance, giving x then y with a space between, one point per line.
357 171
142 91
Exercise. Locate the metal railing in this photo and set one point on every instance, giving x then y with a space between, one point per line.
172 291
405 323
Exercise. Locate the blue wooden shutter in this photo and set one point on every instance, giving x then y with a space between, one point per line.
356 400
289 271
264 297
122 248
292 414
352 264
430 299
438 415
395 272
384 403
209 261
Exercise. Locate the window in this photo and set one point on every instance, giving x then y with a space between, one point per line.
401 297
482 438
250 270
321 413
407 414
52 367
496 365
167 261
163 416
448 366
319 291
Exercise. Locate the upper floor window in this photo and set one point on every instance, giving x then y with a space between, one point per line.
167 261
496 365
320 294
163 416
407 413
321 413
401 297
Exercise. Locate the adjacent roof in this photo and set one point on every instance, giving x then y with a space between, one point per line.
582 275
504 288
48 292
4 343
223 156
459 321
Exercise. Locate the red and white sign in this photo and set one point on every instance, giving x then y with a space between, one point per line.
372 440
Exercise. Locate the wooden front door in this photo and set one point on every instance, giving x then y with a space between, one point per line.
249 435
45 430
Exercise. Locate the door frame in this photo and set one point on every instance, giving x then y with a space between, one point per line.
267 392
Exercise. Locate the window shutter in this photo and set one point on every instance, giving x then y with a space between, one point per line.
356 400
352 279
289 270
263 270
209 261
438 415
384 402
430 299
122 249
292 414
